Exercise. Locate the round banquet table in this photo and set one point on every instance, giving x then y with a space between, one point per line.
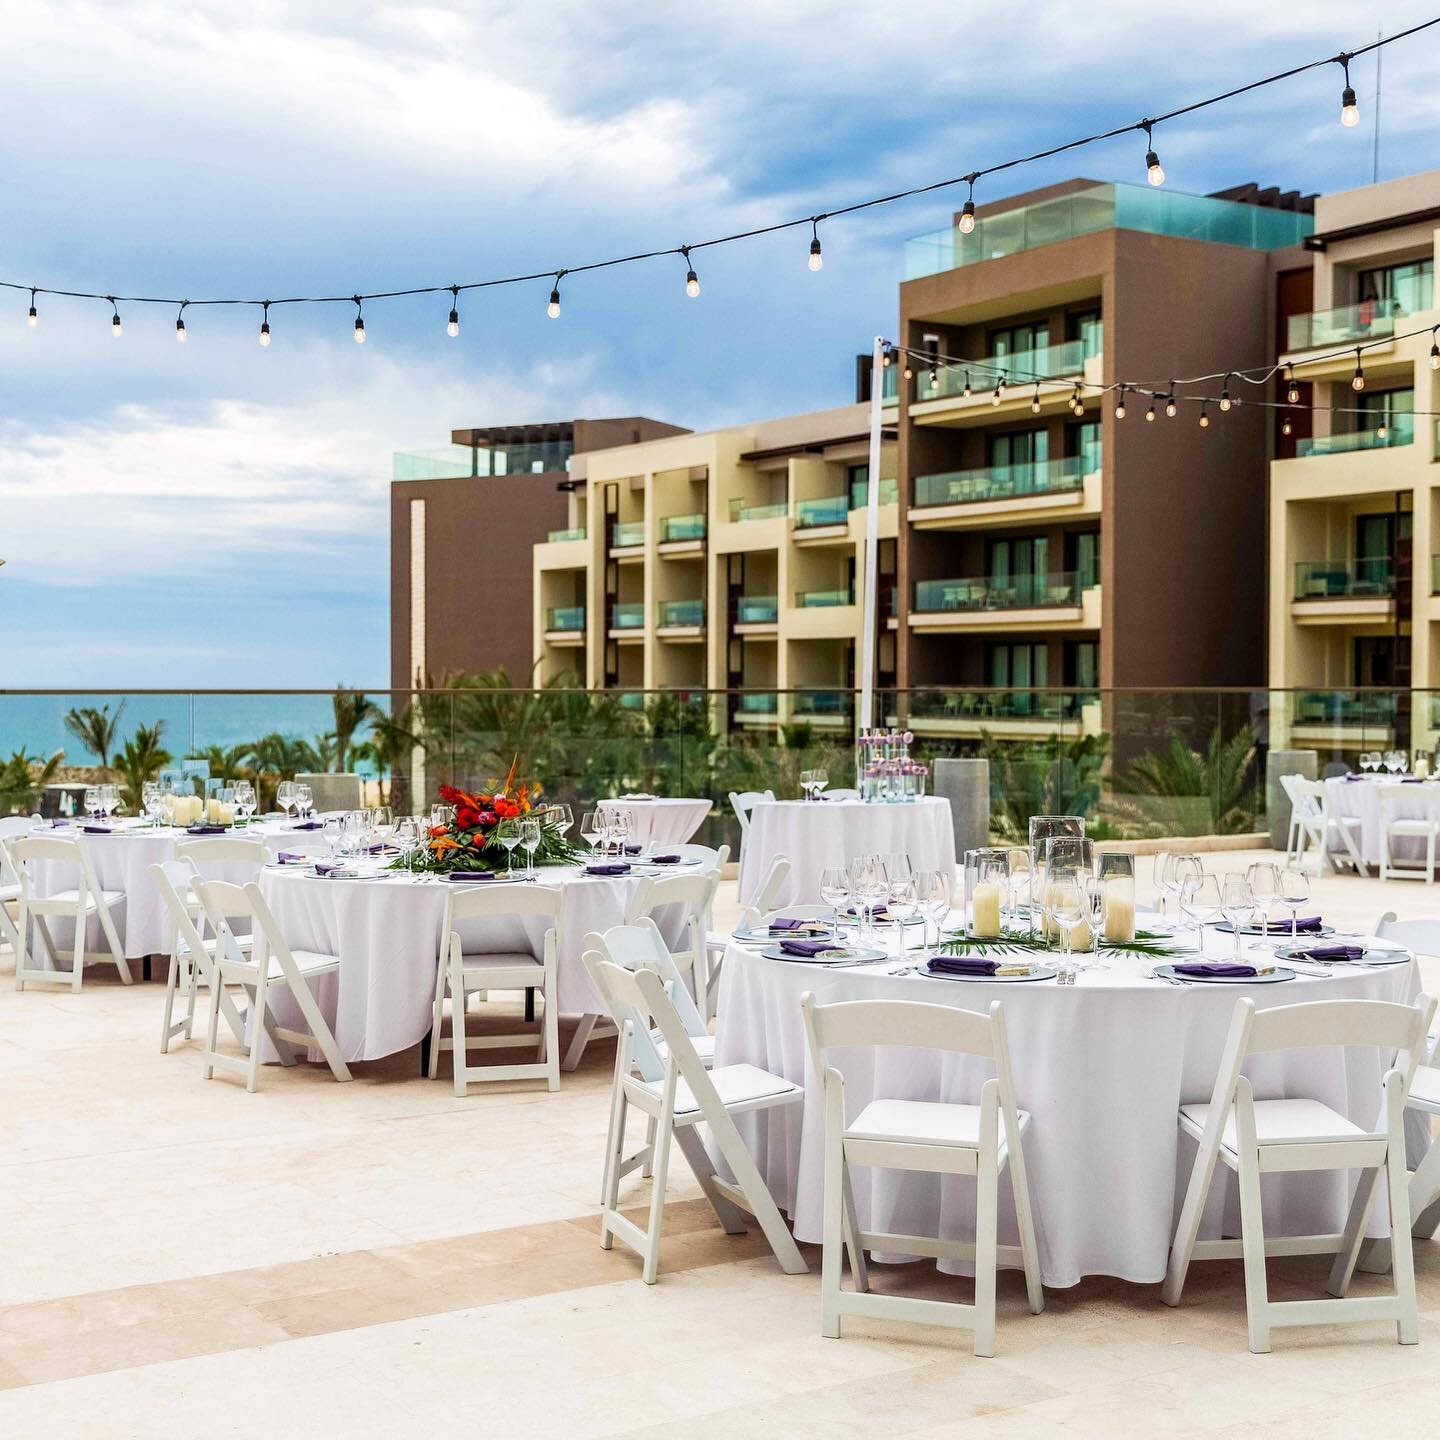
663 821
1102 1067
386 929
817 834
122 860
1361 799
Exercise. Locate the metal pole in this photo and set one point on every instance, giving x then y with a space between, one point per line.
1375 157
872 541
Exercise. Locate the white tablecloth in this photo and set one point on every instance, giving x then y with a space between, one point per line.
819 834
665 821
387 932
1361 799
122 861
1102 1068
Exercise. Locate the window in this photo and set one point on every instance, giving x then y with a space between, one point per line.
1020 447
1394 410
1379 659
1019 666
1082 557
1085 327
1082 441
1016 564
1397 289
1082 664
1019 339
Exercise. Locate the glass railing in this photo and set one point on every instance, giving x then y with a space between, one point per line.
821 599
629 615
450 462
1327 579
757 702
757 609
745 510
1105 207
1343 707
1016 592
890 385
1005 482
822 702
674 613
682 527
630 532
1399 430
982 705
565 617
831 510
557 536
1369 320
1025 366
860 492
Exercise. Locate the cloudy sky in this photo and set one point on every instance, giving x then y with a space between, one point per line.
215 514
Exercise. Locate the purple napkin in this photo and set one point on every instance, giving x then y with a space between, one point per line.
98 830
961 965
1332 952
461 876
1412 780
808 949
1222 969
633 849
616 869
204 829
308 825
1354 777
59 823
788 922
324 867
287 857
664 859
1309 923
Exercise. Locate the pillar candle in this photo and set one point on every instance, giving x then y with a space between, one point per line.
1119 915
985 911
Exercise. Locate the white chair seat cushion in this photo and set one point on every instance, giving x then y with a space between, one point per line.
1425 1087
920 1122
307 962
1277 1120
502 960
9 892
704 1046
72 897
734 1084
1410 827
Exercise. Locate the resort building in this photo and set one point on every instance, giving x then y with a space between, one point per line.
1042 547
462 521
1354 533
730 560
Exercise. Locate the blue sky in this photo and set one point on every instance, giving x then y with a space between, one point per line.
216 514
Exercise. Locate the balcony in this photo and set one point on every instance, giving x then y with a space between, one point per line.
680 615
1005 714
889 386
860 493
823 599
568 619
1369 320
822 704
559 537
1005 482
757 610
629 615
679 528
813 514
1104 207
1049 362
1018 592
627 535
744 510
1398 430
1328 711
1342 579
758 704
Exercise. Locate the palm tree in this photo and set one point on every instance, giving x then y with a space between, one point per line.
227 764
95 729
353 709
1219 783
140 760
22 777
390 745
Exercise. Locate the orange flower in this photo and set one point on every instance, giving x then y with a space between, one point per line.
444 843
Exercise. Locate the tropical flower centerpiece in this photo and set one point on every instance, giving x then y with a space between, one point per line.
469 841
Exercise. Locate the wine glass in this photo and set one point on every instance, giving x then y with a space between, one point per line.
932 892
1294 893
1018 873
591 828
1201 900
109 800
1179 870
247 799
807 784
822 779
285 796
867 885
333 832
1094 893
1264 881
1238 902
835 890
507 832
383 820
530 840
304 801
898 872
562 818
1065 906
407 837
226 797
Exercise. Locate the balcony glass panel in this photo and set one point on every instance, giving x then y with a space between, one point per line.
631 532
1370 320
821 599
1017 592
566 617
744 510
890 385
560 535
1048 362
831 510
1342 707
1399 431
1006 482
757 703
683 527
821 702
682 612
998 704
860 492
1323 579
628 616
757 609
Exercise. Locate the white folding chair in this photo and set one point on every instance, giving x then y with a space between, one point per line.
934 1137
1310 810
1395 826
11 827
271 965
462 973
1292 834
222 849
841 792
78 905
1256 1137
679 1094
742 803
192 958
766 899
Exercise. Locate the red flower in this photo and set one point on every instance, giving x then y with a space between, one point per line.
466 817
486 819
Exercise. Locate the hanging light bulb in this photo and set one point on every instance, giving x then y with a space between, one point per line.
967 385
887 357
265 325
1002 383
1075 402
1292 393
1225 401
1120 404
995 398
1150 412
452 323
1170 405
553 308
33 318
1204 418
1079 407
816 260
115 318
692 280
967 210
1434 348
1035 400
1349 110
359 323
1357 380
180 323
934 378
1154 171
1382 431
908 372
1287 426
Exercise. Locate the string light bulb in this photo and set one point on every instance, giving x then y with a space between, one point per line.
934 378
114 318
1150 412
33 318
180 323
1349 110
816 260
692 280
908 371
1154 171
1076 405
452 323
1292 394
1382 431
995 398
1120 404
265 325
1225 401
967 210
553 308
1035 400
1204 418
966 391
1287 426
1357 380
1170 406
359 322
1434 348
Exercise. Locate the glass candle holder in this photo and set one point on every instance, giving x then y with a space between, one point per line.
986 887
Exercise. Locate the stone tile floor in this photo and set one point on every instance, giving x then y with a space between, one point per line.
366 1260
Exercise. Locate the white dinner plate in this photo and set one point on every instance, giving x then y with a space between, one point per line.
852 914
1370 955
1275 976
844 955
764 935
1033 972
1227 928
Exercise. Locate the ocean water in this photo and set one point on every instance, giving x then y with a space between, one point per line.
36 725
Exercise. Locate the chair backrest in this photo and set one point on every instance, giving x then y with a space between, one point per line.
743 801
27 848
767 897
842 793
174 879
1287 784
1421 936
490 899
641 946
222 848
695 891
638 999
223 902
333 791
710 858
1397 794
12 825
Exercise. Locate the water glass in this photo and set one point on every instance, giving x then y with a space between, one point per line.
1064 909
591 828
1238 903
530 841
835 890
507 832
1294 893
1201 901
932 894
1018 875
304 801
1264 881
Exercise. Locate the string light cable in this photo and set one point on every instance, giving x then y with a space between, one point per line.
1154 173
